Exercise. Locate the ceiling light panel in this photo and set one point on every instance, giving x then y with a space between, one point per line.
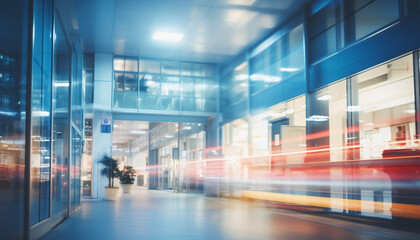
167 37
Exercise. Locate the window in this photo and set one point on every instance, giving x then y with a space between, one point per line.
125 83
386 121
131 65
281 128
327 123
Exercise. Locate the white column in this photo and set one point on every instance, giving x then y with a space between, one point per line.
102 142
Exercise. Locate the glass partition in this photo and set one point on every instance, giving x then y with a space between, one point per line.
261 147
192 160
340 23
327 123
235 149
41 117
170 68
77 91
166 85
61 122
280 61
76 159
13 80
125 83
86 162
349 148
148 66
234 86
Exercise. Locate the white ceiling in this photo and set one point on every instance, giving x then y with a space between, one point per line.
126 131
214 30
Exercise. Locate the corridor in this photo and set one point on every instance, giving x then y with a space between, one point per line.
147 214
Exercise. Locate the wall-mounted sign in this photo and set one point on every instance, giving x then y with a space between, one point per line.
106 124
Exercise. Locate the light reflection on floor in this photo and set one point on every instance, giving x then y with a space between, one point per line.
149 214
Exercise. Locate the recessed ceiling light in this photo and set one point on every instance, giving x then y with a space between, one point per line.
324 97
62 84
317 118
139 132
168 37
284 69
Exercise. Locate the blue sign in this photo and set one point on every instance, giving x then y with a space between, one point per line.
106 125
105 128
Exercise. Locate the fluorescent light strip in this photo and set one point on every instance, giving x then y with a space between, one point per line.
324 97
167 37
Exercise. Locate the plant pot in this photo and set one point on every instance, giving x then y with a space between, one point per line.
127 187
111 193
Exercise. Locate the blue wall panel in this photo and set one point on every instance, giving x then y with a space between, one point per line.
211 137
236 111
281 92
390 43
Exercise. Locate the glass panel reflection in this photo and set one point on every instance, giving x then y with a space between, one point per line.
149 102
130 82
119 64
41 118
387 121
170 86
61 135
119 82
149 66
162 80
131 65
149 84
13 25
171 68
76 169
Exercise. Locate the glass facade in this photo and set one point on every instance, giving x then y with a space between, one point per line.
281 128
176 156
234 86
164 143
261 146
341 23
338 143
278 62
388 120
13 82
86 165
75 171
41 113
61 122
141 84
35 166
191 164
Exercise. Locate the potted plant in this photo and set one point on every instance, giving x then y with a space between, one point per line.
126 177
111 171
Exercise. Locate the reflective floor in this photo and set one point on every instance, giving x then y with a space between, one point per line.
146 214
